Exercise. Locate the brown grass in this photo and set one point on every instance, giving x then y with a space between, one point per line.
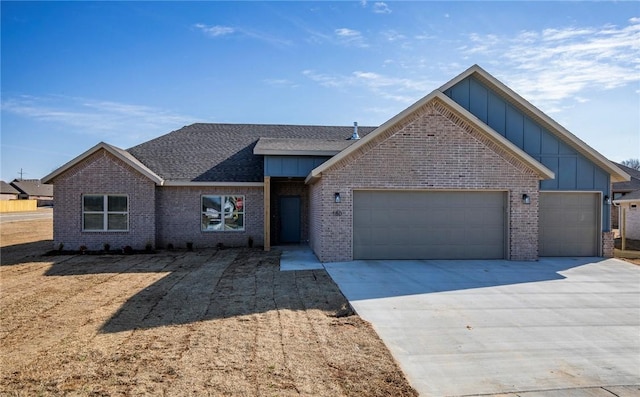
218 323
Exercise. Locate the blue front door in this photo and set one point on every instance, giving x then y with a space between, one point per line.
289 219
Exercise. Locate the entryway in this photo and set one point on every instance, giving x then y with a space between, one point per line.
289 211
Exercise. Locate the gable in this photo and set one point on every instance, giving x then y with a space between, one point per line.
573 170
505 111
432 149
116 152
456 114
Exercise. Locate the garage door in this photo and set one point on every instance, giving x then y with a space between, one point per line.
569 224
428 225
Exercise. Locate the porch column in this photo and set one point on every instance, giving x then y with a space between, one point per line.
267 213
623 227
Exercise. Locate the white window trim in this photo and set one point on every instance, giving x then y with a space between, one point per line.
222 201
105 213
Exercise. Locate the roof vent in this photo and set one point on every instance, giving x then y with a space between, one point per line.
355 135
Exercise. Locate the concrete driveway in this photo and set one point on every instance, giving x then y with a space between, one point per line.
462 328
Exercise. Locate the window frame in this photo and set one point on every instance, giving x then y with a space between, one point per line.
105 213
223 199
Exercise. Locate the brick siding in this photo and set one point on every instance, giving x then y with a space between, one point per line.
102 173
607 244
632 224
431 149
179 217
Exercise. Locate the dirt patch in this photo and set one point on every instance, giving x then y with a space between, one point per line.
219 323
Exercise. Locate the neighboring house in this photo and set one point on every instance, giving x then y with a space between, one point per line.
629 206
471 170
34 189
8 192
619 189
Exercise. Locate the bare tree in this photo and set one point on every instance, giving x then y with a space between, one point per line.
632 163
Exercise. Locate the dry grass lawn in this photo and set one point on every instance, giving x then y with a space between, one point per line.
218 323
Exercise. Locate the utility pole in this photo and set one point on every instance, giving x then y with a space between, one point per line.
21 173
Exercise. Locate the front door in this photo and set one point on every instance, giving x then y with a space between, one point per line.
289 219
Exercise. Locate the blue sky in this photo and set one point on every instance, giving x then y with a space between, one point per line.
77 73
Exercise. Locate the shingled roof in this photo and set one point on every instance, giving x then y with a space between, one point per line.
33 187
628 186
5 188
224 152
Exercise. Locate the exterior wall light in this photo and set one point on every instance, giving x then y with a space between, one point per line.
526 199
336 196
607 200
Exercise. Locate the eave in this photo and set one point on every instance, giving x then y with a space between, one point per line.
212 184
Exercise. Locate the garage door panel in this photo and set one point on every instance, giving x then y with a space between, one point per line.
569 224
429 225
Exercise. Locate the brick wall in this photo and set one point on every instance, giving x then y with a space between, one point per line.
315 217
102 173
179 217
432 149
607 244
632 225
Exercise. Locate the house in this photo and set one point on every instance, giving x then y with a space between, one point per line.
472 170
34 189
619 189
8 192
629 207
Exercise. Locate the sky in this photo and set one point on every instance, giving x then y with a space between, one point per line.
77 73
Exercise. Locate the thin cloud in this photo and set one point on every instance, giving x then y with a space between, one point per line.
350 37
96 117
214 31
393 35
280 83
403 90
381 8
345 32
554 65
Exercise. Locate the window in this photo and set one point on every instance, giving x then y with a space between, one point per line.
102 212
222 213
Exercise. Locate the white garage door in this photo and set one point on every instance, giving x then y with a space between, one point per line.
428 225
569 224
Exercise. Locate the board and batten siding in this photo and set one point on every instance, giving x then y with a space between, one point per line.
291 166
573 171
